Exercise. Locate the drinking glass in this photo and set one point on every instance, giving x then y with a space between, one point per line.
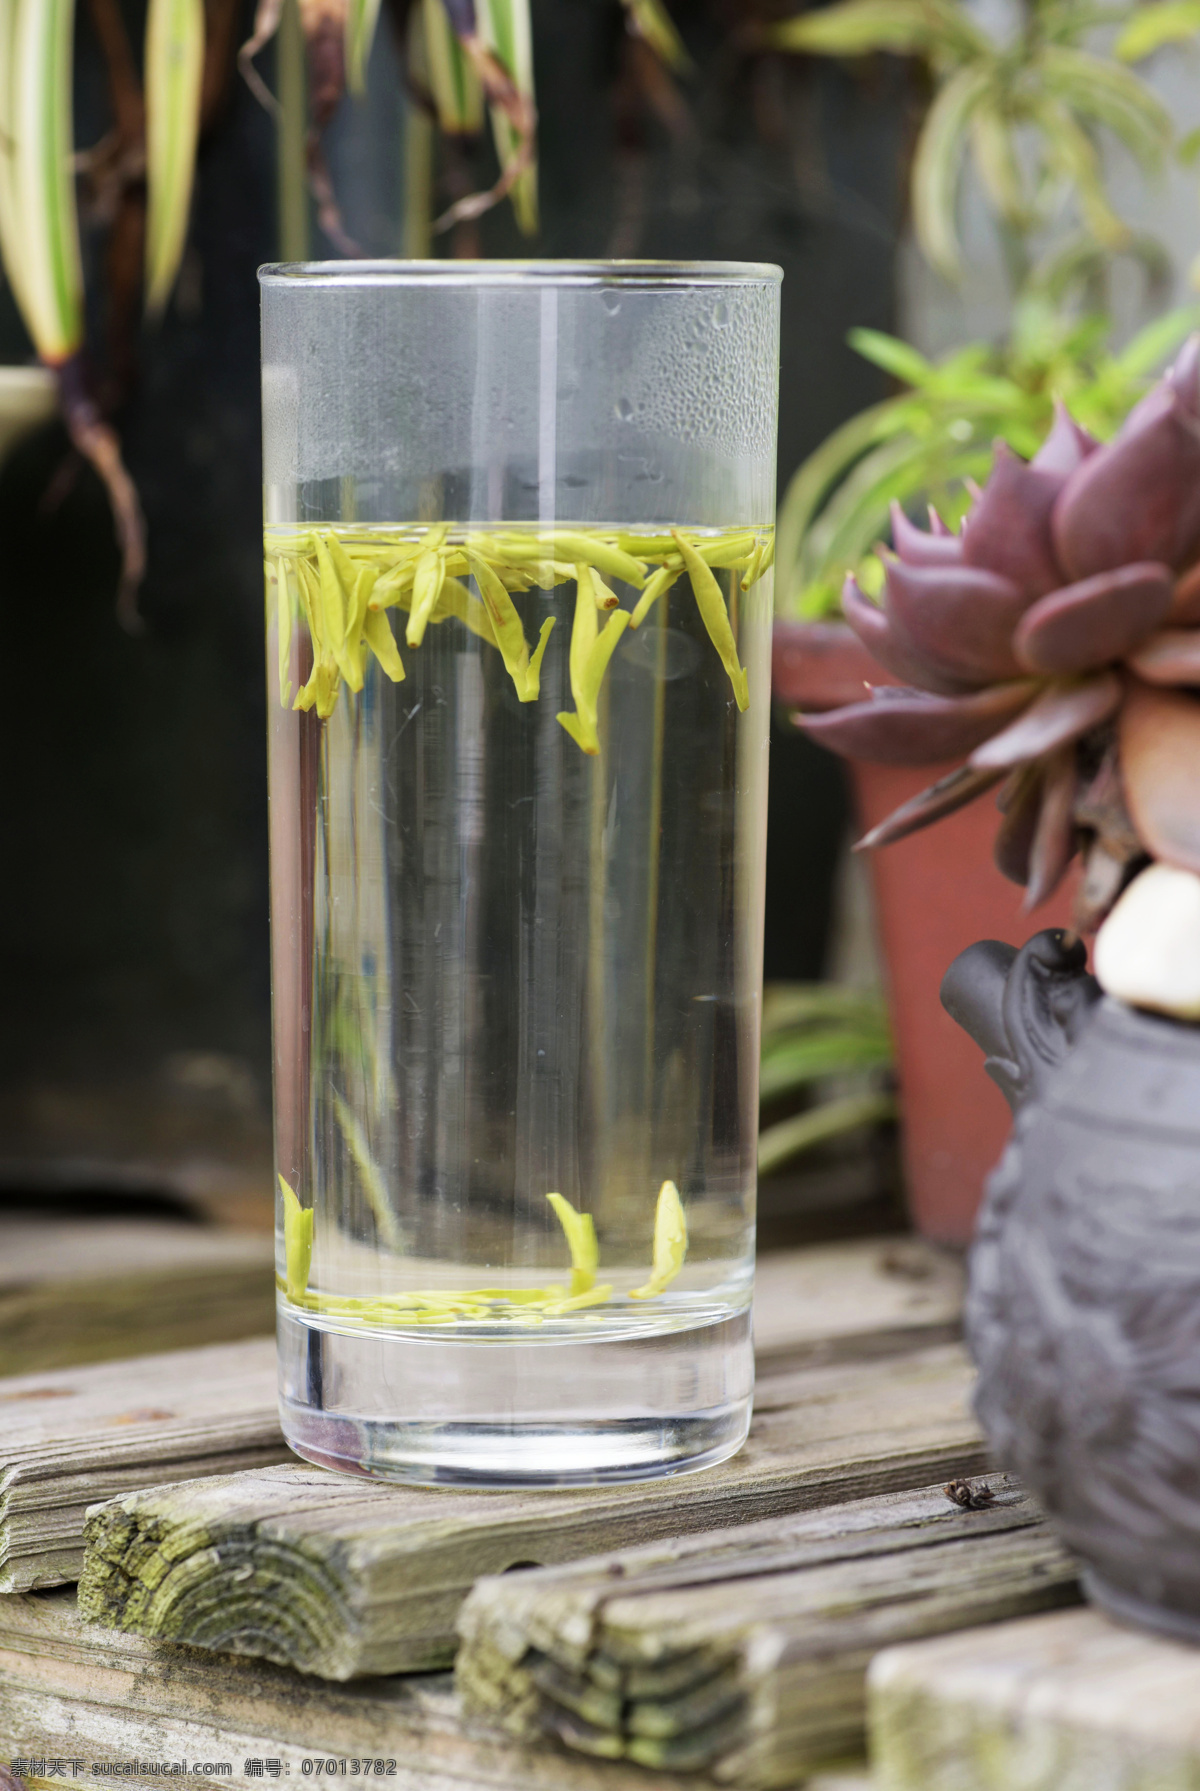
518 546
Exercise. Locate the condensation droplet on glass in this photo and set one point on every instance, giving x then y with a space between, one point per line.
611 302
720 315
624 409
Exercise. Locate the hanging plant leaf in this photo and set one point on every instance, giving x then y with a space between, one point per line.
174 71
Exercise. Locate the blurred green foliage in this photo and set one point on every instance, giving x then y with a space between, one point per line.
828 1046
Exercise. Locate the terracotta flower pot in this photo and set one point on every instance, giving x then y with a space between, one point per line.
935 893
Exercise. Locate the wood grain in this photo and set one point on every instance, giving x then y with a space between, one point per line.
1068 1702
343 1577
66 1439
69 1690
95 1290
851 1301
72 1437
745 1653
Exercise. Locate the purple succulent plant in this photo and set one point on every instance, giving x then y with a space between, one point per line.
1037 646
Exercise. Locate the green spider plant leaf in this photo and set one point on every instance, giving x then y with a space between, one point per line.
505 28
823 1051
670 1243
856 27
456 88
1071 152
1112 96
789 1006
174 68
10 226
937 164
1146 352
996 158
38 215
778 1144
362 16
810 485
1170 22
580 1231
895 357
297 1241
650 20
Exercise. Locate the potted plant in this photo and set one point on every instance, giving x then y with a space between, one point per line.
1054 645
930 440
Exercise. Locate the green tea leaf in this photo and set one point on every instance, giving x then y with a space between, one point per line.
580 1231
657 583
428 578
509 632
594 552
670 1243
711 605
297 1241
588 661
377 632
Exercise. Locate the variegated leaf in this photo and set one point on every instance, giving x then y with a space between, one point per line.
174 69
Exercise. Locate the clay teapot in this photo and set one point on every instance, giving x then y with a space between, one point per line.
1083 1313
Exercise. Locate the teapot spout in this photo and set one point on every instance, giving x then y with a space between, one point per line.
1024 1008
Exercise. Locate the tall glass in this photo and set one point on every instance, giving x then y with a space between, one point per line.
518 565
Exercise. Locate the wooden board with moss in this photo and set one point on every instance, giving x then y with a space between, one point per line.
831 1303
1065 1702
744 1653
90 1290
342 1577
75 1436
69 1690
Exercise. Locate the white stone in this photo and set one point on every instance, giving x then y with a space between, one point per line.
1148 950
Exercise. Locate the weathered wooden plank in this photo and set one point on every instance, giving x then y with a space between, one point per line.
343 1577
851 1301
74 1436
1069 1702
68 1690
745 1653
87 1290
841 1300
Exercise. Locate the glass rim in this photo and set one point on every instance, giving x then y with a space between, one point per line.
382 272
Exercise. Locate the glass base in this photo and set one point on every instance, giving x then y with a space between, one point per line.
634 1404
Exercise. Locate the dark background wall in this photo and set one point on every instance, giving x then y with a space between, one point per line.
133 954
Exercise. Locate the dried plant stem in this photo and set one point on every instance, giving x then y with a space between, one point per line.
97 442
